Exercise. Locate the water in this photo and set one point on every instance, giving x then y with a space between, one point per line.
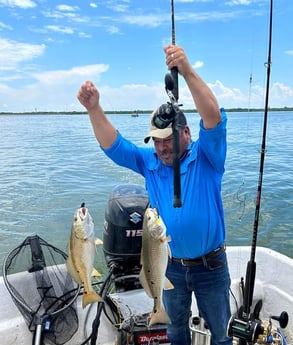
52 163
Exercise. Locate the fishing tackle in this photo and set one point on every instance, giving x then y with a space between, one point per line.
168 114
247 326
254 330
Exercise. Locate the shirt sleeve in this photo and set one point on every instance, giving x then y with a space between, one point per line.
213 143
125 153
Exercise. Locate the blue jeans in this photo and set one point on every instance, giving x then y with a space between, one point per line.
210 283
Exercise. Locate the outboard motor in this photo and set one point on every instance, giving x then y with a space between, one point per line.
122 233
122 240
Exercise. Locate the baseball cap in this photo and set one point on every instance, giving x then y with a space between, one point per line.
165 132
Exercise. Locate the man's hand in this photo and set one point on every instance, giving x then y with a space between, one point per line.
88 96
175 57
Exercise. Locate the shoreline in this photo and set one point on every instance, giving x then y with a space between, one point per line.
139 112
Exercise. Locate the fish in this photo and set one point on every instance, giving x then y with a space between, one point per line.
81 250
154 260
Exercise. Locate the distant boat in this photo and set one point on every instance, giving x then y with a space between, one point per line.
135 114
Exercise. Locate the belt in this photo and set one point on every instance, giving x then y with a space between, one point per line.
201 260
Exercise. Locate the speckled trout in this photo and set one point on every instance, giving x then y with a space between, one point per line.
154 259
81 250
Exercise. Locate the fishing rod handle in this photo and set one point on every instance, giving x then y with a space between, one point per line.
176 164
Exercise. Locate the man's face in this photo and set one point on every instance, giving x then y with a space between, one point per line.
164 147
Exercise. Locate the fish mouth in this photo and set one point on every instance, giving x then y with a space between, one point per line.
82 212
83 222
82 209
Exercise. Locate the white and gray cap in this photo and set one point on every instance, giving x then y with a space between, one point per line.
155 132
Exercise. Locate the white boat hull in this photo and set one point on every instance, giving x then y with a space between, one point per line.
273 284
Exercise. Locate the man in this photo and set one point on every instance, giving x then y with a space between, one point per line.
197 229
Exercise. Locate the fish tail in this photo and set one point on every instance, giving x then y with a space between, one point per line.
90 297
159 316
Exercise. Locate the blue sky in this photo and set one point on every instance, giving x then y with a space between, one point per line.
49 47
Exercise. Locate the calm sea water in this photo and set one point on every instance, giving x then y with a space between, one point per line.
49 164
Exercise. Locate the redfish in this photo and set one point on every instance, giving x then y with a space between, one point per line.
81 250
154 259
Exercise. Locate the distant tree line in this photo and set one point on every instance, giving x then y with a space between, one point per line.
137 112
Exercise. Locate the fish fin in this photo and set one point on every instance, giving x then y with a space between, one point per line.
159 316
141 257
165 239
168 285
96 273
98 241
72 270
169 251
68 248
90 297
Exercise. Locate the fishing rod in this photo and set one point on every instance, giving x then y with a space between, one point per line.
173 93
251 265
168 113
174 70
247 326
100 306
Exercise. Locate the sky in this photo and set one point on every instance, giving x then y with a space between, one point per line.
48 48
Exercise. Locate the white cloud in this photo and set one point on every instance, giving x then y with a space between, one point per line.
238 2
198 64
132 96
84 35
281 94
56 91
61 15
60 29
69 76
67 8
142 20
112 29
231 97
50 90
5 26
12 53
18 3
119 7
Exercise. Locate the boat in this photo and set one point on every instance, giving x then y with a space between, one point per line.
123 316
135 114
273 285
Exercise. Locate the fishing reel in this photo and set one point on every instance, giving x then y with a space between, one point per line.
246 330
167 112
253 330
164 115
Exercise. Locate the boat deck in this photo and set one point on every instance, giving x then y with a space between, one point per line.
273 284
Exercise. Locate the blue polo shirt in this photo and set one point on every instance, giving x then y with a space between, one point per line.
198 226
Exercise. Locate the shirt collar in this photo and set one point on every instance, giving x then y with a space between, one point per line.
190 154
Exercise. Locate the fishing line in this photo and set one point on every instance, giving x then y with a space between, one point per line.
241 200
241 193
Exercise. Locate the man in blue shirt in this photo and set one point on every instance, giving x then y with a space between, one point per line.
197 229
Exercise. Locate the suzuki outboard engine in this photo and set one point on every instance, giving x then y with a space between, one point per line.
122 233
122 238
